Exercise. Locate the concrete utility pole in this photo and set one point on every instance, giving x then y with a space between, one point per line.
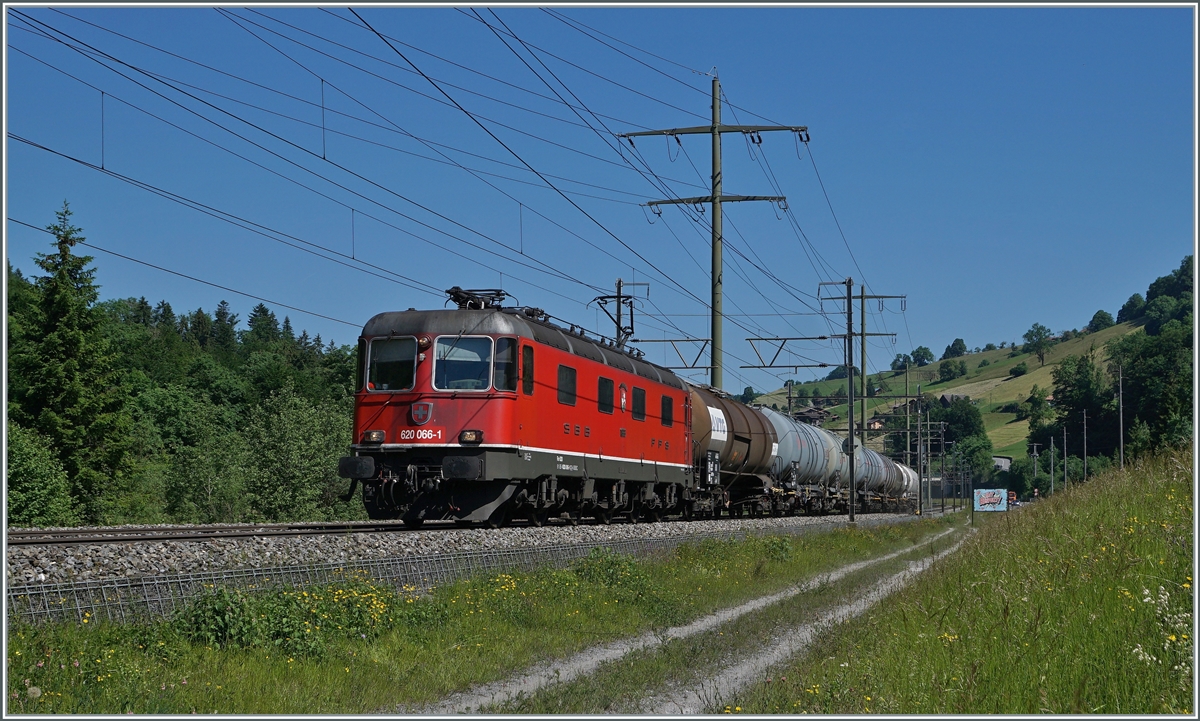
907 422
1085 444
862 300
1121 409
1052 465
1035 457
716 199
850 390
942 460
1065 466
920 471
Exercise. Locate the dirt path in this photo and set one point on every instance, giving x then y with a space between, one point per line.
724 682
589 660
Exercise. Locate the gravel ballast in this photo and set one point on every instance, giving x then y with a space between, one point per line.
124 559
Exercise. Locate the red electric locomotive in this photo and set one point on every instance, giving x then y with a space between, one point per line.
484 412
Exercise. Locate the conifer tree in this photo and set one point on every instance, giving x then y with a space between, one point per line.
72 394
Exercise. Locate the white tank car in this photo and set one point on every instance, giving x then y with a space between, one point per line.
877 474
816 453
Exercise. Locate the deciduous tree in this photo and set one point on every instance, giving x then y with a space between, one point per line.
1037 341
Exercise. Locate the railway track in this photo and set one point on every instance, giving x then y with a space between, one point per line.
147 534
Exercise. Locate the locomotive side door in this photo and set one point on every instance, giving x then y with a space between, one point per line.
528 398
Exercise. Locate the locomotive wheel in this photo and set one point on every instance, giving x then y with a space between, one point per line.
464 524
635 515
571 518
414 522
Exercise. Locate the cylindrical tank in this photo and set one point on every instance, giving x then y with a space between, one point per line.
814 452
910 480
745 440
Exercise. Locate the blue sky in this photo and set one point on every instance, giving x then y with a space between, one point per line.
998 166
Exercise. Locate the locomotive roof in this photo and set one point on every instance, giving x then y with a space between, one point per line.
513 321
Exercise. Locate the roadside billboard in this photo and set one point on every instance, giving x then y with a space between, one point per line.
991 499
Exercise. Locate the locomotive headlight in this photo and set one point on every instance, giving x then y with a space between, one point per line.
470 437
373 437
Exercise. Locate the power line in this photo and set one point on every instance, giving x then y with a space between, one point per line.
198 280
219 146
309 102
572 23
424 52
595 74
522 160
554 271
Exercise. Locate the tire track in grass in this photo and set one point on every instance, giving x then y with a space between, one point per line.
588 660
726 681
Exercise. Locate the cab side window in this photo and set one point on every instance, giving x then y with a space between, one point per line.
505 376
668 411
639 404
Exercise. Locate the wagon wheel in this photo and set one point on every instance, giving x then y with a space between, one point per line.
604 516
571 518
537 517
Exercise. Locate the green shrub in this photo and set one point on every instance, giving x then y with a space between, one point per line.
38 491
1019 369
984 362
612 570
299 622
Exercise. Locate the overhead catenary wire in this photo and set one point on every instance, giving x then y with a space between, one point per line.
217 145
532 136
750 249
522 160
510 197
308 152
513 35
198 280
330 198
330 110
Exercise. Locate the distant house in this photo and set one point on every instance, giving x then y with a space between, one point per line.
812 416
875 424
948 398
1002 462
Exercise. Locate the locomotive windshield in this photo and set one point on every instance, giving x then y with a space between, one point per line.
392 365
462 363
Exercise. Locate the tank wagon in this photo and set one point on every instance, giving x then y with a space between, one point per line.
486 413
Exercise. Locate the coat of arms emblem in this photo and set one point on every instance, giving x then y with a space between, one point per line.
421 413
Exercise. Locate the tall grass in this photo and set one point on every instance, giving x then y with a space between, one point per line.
1081 603
352 647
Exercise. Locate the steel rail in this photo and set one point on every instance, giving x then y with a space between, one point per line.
150 533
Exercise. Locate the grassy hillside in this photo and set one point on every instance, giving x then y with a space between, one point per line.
990 385
1076 604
